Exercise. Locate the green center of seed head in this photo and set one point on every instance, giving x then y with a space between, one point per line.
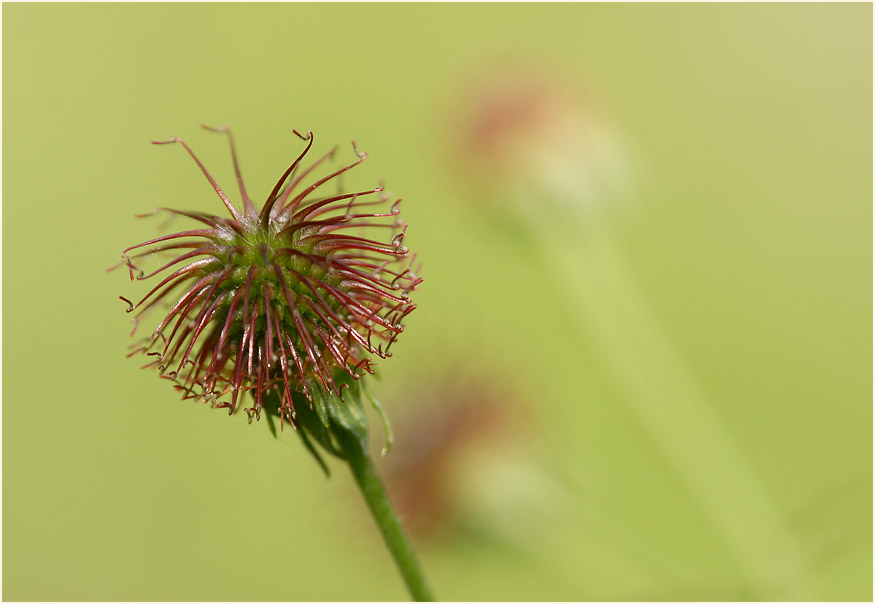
263 247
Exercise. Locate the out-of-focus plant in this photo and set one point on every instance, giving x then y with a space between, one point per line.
286 305
532 143
536 150
465 423
473 468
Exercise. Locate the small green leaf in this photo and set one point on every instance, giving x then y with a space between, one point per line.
271 422
320 406
387 427
309 446
347 414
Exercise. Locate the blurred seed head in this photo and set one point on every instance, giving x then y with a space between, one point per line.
277 299
461 423
525 133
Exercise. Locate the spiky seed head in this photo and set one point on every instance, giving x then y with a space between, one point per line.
278 300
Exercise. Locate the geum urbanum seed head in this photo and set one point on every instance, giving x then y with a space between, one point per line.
281 300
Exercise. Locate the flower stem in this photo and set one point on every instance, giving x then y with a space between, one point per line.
663 389
341 428
390 527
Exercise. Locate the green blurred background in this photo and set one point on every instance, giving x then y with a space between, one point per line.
746 227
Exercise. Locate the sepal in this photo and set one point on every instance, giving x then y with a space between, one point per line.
330 424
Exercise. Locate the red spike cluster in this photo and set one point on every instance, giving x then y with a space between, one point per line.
278 300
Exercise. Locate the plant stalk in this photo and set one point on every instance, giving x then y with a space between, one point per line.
387 520
664 391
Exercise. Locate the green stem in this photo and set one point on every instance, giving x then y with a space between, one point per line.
664 390
393 534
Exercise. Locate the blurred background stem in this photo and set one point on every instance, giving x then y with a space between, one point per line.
662 389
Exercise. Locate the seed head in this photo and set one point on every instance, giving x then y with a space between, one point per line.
462 419
279 300
540 139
